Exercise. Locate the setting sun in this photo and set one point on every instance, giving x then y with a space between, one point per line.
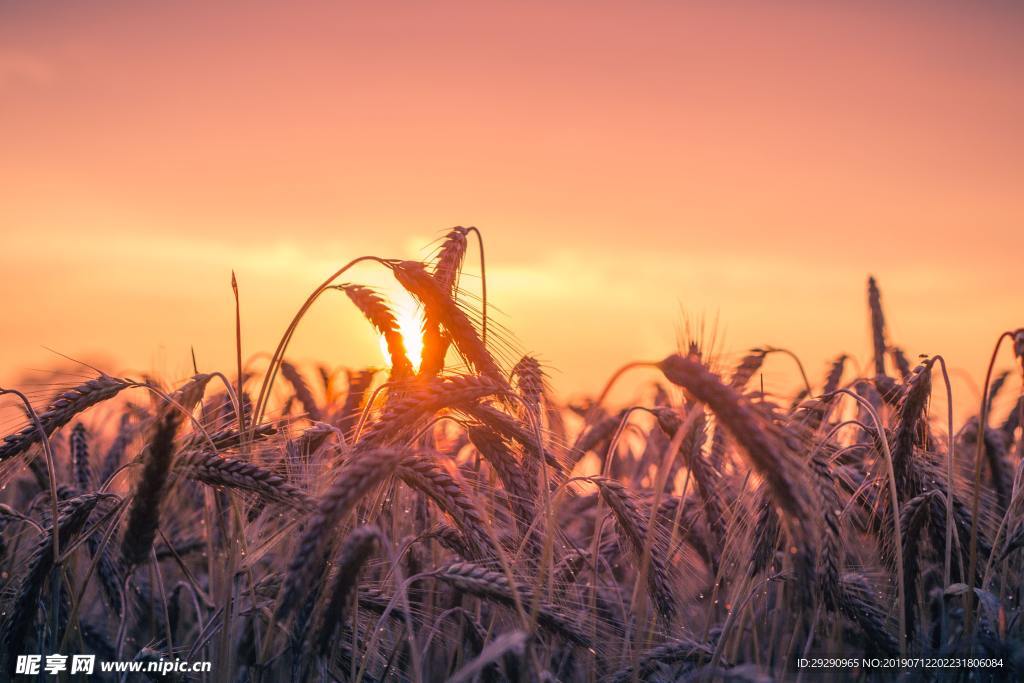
409 316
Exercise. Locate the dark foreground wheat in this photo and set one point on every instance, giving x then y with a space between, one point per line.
456 522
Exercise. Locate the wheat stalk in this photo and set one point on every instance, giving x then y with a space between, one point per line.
61 410
148 496
216 470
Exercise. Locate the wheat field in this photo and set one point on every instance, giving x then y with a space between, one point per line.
446 518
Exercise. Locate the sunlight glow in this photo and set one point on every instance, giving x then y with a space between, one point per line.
409 316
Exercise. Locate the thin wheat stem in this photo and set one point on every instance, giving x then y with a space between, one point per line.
275 360
976 492
894 501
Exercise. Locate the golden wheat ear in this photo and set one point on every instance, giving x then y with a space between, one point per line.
379 313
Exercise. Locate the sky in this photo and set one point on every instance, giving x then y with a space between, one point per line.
632 166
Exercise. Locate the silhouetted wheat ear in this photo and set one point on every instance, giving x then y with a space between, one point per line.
691 527
189 394
766 533
355 479
301 389
61 410
750 364
359 545
81 471
229 437
994 451
446 270
877 326
485 583
439 304
596 435
422 473
109 570
358 383
704 475
819 408
144 513
450 538
514 430
380 316
509 471
858 604
915 528
835 374
634 525
909 428
422 401
830 554
216 470
448 263
785 476
530 381
22 612
1012 421
115 453
899 359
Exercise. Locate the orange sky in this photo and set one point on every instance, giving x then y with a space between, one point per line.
627 162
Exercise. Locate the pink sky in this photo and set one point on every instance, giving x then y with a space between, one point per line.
627 163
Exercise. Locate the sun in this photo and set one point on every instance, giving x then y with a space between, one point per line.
409 318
